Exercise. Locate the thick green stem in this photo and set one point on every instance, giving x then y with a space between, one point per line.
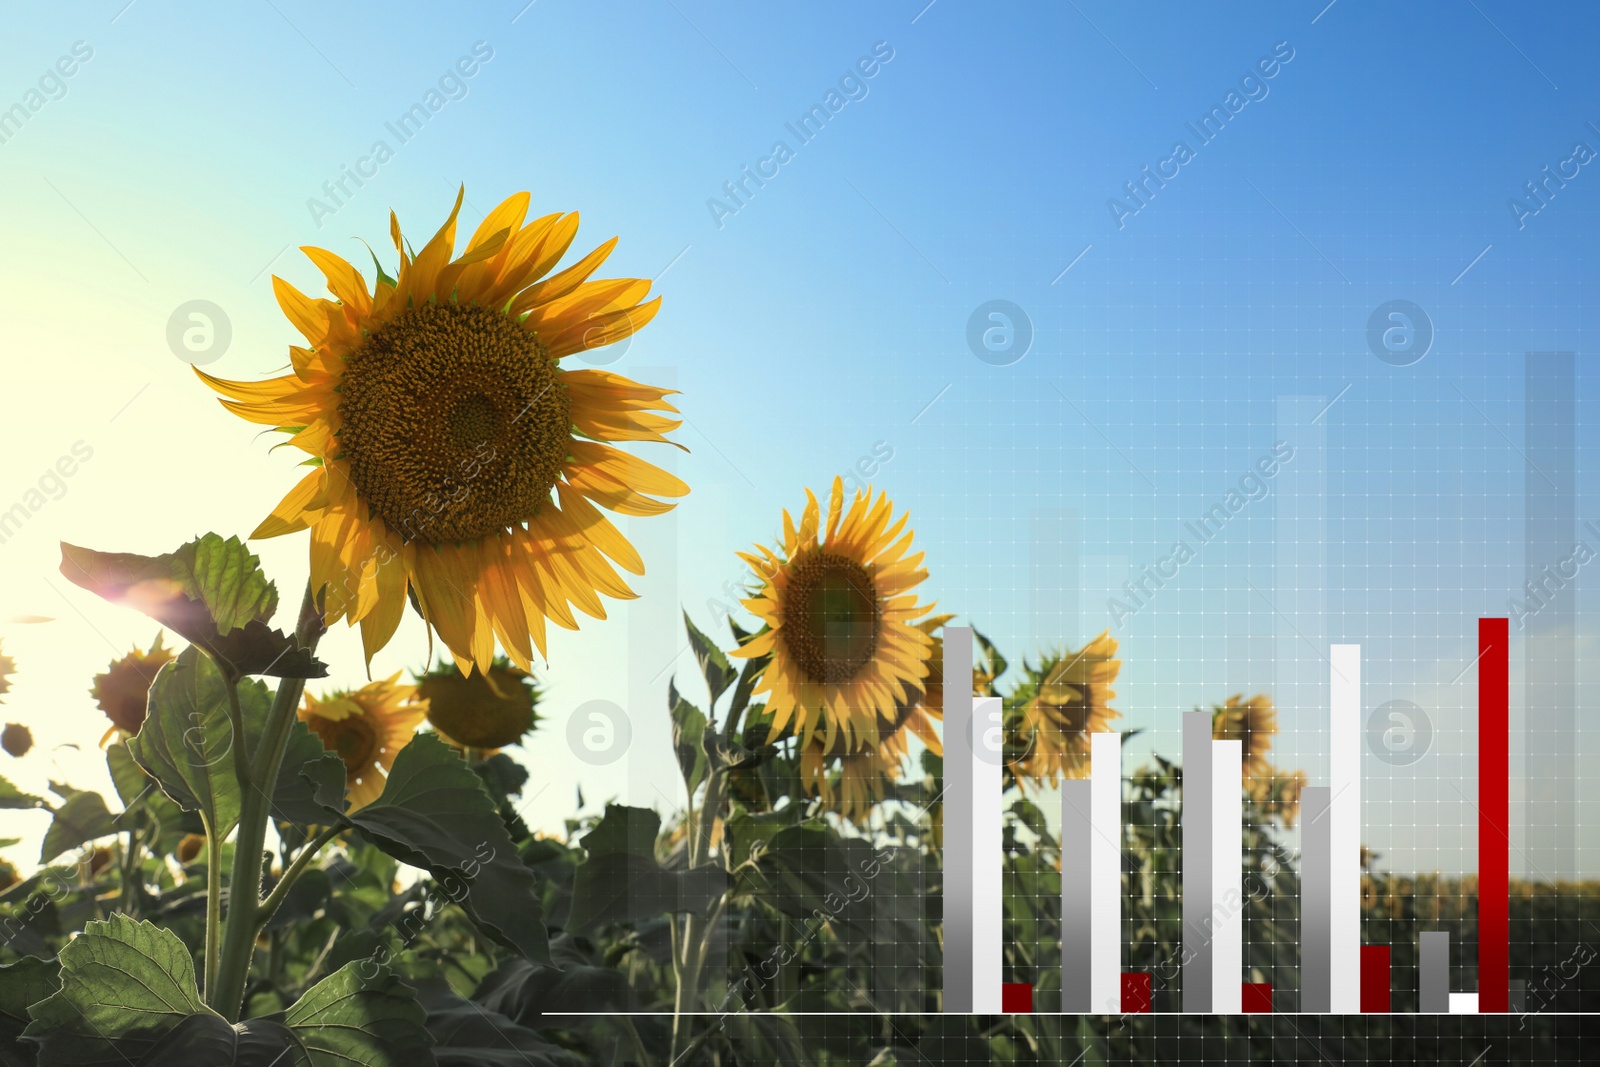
131 873
244 886
689 957
241 758
213 906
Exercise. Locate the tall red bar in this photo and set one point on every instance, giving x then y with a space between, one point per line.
1375 984
1494 816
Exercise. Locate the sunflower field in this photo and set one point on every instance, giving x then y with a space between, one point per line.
293 873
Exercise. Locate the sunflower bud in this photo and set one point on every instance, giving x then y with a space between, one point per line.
123 690
189 848
16 739
488 710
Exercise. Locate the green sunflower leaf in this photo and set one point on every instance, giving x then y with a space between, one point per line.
25 982
305 762
12 797
810 872
210 590
80 818
126 994
126 774
144 804
186 745
554 997
436 814
688 734
714 665
621 881
125 985
211 1040
186 742
226 577
747 832
361 1014
994 664
472 1035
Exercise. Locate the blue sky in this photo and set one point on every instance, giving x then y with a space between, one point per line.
827 318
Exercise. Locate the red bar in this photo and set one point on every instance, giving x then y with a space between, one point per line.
1136 993
1494 815
1374 978
1257 998
1016 998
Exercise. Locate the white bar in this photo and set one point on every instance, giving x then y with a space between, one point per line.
1105 872
1344 813
1227 859
1463 1003
988 856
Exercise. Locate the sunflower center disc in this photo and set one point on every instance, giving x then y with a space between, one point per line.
454 423
353 737
831 623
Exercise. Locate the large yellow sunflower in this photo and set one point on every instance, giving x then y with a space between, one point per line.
123 689
367 728
840 615
455 457
1071 699
1252 723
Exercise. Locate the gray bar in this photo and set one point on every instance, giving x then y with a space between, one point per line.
1433 967
1316 902
1518 1001
1549 617
1077 836
957 806
1196 860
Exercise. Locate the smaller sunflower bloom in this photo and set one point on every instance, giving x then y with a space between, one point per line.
366 728
123 690
485 710
1278 794
189 848
865 774
841 615
1071 699
1252 723
8 667
16 739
